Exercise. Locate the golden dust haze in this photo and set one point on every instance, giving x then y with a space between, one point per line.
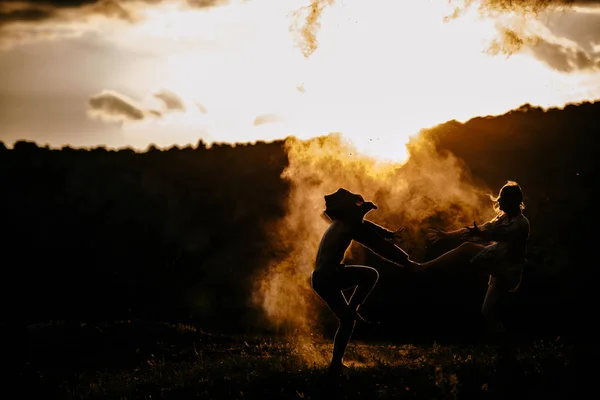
308 42
428 185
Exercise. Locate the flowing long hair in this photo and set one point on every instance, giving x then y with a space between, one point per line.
512 194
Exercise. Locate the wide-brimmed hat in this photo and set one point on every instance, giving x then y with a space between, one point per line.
342 202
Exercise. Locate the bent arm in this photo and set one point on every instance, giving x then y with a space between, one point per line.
381 247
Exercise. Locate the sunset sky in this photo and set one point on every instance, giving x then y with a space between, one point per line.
131 73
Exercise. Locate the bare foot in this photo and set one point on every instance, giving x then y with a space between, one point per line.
336 368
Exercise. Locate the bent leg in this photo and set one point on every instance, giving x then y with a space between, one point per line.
364 278
462 253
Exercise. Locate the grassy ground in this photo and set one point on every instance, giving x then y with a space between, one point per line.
165 361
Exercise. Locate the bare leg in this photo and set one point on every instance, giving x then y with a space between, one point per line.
489 310
337 303
495 329
340 342
364 278
462 253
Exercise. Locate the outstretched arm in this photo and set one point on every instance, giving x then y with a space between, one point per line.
514 230
458 234
373 229
435 235
462 234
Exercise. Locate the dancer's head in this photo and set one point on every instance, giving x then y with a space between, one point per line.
510 199
346 205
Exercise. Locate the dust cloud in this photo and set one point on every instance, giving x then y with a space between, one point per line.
306 24
429 189
511 16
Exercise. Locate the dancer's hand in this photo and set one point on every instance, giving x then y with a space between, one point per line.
435 235
473 230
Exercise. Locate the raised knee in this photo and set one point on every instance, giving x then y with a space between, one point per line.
466 245
373 276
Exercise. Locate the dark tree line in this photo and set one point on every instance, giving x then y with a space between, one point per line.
178 233
118 234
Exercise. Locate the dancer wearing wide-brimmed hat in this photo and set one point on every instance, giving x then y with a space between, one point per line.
330 277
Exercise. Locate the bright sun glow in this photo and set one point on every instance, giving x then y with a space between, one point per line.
379 75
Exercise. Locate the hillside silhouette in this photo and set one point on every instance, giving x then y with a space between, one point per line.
179 234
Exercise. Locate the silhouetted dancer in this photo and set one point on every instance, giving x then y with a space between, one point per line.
502 254
330 277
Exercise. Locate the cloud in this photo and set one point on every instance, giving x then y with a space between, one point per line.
201 108
26 20
9 15
581 27
112 106
171 101
206 3
266 119
555 47
306 21
39 10
522 7
561 33
565 58
12 11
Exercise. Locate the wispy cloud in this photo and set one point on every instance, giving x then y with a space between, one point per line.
171 101
266 119
109 105
29 20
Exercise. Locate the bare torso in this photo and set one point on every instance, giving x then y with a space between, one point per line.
335 241
339 235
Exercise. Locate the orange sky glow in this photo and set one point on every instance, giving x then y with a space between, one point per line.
236 72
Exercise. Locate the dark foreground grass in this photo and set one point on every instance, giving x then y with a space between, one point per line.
165 361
